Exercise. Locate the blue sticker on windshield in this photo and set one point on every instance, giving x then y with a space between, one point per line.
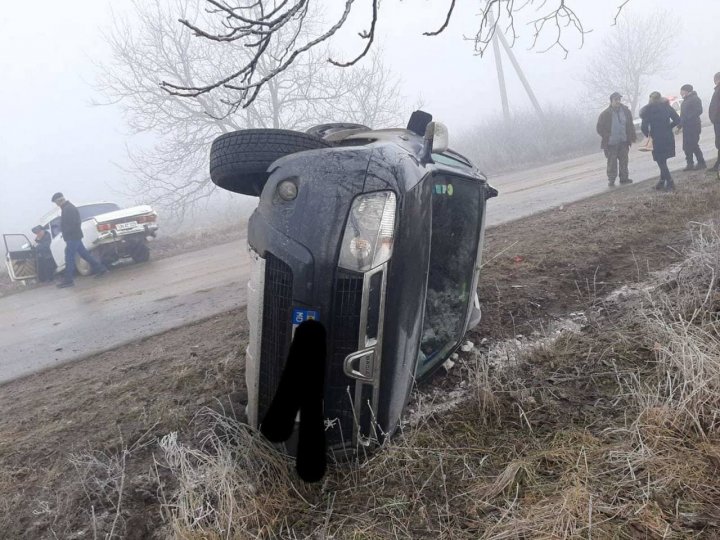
299 316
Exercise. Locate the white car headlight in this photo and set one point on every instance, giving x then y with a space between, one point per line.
369 233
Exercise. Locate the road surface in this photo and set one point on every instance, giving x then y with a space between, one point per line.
44 327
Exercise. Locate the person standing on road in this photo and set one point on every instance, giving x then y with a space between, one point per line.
658 121
45 263
615 127
714 111
690 125
71 227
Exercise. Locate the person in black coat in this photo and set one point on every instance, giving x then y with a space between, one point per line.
714 112
44 260
690 111
71 228
658 121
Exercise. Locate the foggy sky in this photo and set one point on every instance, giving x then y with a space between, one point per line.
53 139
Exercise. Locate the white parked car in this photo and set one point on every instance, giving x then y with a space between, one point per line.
110 233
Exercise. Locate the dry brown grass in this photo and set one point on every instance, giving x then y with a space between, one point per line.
610 432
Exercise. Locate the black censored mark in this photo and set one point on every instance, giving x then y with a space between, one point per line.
301 387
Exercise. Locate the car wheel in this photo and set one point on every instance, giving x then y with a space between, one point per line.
141 253
239 161
82 266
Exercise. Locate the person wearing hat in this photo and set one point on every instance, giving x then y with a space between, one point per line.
43 256
615 127
71 228
690 110
658 121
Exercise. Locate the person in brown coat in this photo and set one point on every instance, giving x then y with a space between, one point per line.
615 127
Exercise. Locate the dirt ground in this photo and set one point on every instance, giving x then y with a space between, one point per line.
79 441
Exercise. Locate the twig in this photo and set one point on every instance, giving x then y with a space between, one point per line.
445 24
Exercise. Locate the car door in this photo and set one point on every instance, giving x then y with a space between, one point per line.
19 257
457 212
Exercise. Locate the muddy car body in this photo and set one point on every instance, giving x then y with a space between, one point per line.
378 236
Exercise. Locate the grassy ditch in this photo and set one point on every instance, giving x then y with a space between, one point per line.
611 430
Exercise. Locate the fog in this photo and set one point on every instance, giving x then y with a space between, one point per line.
55 139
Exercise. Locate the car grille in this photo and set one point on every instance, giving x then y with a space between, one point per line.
276 329
345 329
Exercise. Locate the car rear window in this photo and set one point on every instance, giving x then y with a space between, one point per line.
91 210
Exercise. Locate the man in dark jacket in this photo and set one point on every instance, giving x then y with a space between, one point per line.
71 228
45 262
690 111
714 112
615 127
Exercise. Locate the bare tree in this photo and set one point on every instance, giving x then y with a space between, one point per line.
170 169
275 29
636 50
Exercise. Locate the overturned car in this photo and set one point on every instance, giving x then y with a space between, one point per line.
378 235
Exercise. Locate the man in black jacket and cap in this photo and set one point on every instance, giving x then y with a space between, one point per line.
690 111
714 112
71 228
615 127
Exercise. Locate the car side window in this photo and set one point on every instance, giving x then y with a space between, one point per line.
55 227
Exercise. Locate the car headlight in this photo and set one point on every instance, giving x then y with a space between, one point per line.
369 233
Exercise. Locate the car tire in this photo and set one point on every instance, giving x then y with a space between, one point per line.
82 266
239 161
141 253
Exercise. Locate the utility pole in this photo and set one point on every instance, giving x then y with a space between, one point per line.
498 36
520 73
500 72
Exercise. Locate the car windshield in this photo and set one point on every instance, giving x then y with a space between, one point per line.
90 210
456 215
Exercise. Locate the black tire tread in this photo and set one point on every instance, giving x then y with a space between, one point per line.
239 160
141 253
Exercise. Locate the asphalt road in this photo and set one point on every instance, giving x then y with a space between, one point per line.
44 327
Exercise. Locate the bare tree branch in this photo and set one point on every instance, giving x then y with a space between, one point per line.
445 24
271 29
619 11
168 166
369 36
556 18
248 90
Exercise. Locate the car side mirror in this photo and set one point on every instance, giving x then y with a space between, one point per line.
435 140
441 138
